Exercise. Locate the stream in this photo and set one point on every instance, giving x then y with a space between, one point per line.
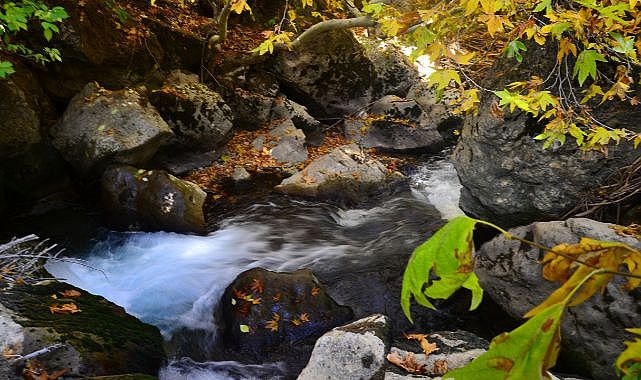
174 281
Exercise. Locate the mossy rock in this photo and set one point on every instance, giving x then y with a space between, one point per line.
101 339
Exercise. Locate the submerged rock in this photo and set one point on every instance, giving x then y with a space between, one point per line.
262 310
100 339
593 332
102 127
397 124
353 351
346 174
152 200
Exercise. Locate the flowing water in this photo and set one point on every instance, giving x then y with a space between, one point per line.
174 281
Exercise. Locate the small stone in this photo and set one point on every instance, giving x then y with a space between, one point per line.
240 174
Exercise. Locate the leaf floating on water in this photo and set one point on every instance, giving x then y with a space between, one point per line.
244 328
67 308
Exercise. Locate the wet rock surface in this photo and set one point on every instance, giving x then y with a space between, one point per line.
346 174
100 339
152 200
262 310
593 332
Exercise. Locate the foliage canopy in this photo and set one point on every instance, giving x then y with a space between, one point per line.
20 16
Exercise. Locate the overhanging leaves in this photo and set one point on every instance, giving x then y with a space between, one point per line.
629 362
447 255
524 353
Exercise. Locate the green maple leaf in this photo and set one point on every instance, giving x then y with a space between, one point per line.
586 65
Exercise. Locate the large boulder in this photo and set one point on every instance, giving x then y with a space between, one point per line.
346 174
98 339
395 73
397 124
32 168
198 116
262 310
101 127
593 332
353 351
285 143
152 200
508 177
332 73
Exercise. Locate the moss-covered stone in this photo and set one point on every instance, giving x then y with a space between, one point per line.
104 339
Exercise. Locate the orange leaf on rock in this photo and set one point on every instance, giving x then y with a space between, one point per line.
70 293
257 286
67 308
427 347
408 363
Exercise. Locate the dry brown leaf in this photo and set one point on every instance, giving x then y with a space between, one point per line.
315 291
427 347
304 317
408 363
257 286
70 293
440 368
256 301
296 322
67 308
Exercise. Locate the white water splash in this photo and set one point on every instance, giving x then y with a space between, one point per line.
172 280
439 185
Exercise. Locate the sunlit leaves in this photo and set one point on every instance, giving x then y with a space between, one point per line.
586 65
513 50
561 265
447 255
524 353
239 6
629 362
268 45
513 100
6 68
442 78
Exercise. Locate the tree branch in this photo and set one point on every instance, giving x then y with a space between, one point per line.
329 25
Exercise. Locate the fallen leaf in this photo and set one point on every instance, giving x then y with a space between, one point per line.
440 368
304 317
256 301
257 286
296 322
277 297
315 291
239 294
427 347
408 363
244 328
70 293
67 308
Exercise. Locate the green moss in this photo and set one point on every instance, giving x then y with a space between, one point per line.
111 340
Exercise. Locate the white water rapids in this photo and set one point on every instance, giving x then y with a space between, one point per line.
174 281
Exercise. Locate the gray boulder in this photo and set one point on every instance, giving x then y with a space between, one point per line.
198 116
100 339
438 112
593 332
508 177
287 109
332 73
395 73
397 124
346 174
354 351
102 127
286 143
152 200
